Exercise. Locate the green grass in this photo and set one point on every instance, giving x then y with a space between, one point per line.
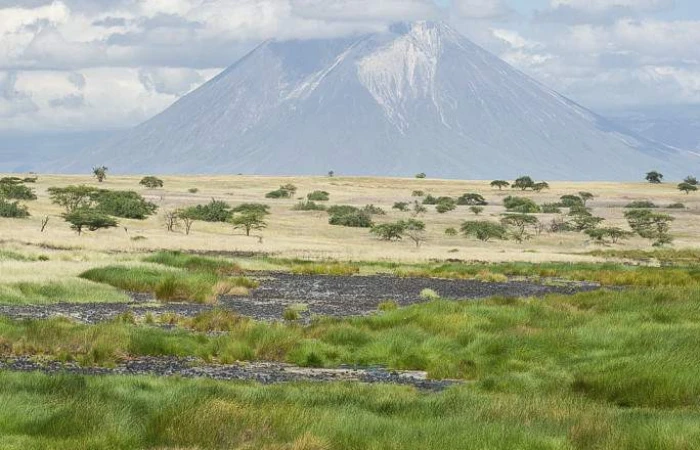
70 291
633 348
9 255
664 255
73 412
168 284
194 263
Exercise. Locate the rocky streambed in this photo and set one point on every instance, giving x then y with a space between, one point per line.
338 296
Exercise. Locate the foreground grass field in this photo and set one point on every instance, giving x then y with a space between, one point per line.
70 412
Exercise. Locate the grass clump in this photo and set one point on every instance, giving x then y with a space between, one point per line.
68 291
195 263
308 205
429 294
334 268
388 305
640 204
167 285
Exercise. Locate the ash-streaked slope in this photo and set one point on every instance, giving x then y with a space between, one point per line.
420 98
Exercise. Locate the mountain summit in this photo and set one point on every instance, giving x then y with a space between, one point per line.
417 98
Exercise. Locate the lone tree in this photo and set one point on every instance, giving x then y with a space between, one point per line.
415 231
151 182
654 177
500 184
687 187
691 180
249 221
585 196
523 183
88 218
650 225
541 186
389 231
520 222
188 216
100 173
484 230
614 233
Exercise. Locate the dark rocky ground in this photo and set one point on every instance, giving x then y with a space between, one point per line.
338 296
261 372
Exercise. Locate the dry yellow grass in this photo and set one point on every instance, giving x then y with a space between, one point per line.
299 234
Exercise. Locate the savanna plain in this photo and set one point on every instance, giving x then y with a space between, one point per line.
334 312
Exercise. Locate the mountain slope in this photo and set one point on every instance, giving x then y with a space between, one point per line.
420 98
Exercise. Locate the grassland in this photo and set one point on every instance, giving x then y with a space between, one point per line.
307 235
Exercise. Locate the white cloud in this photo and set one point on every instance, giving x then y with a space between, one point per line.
603 5
481 9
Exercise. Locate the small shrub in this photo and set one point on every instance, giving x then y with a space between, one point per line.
472 199
401 206
571 201
126 204
388 305
676 206
429 294
451 232
417 193
484 230
641 204
193 190
291 314
286 191
520 205
318 196
350 218
373 210
214 211
551 208
430 200
151 182
421 175
11 191
308 205
477 210
445 204
13 210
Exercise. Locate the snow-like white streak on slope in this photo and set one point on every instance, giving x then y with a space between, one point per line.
403 71
306 87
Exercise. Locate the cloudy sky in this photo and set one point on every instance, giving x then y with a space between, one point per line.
75 65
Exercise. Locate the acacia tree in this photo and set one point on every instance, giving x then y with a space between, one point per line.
89 218
73 197
415 231
650 225
691 180
249 221
614 233
100 173
188 216
654 177
541 186
523 183
484 230
585 196
687 187
389 231
520 222
500 184
151 182
171 220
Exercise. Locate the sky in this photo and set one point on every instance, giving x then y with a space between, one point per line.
80 65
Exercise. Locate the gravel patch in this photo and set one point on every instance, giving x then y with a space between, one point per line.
337 296
261 372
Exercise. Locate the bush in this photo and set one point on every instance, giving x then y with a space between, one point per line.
450 232
571 201
214 211
523 183
472 199
286 191
373 210
550 208
308 205
389 231
676 206
641 204
10 191
429 294
257 208
318 196
417 194
430 200
484 230
355 219
421 175
520 205
339 210
401 206
13 210
126 204
193 190
476 210
445 204
151 182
